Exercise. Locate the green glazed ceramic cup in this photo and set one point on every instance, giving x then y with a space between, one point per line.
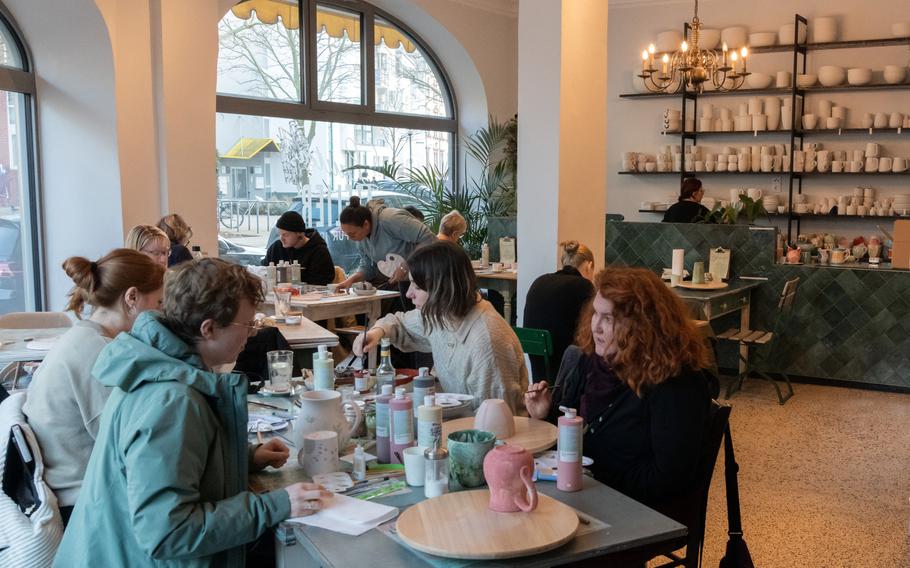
467 448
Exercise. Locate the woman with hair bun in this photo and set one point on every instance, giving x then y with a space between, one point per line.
383 234
64 400
555 301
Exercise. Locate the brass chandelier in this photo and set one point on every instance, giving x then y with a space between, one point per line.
693 66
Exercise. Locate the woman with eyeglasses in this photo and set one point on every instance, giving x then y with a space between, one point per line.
167 483
179 234
150 241
65 399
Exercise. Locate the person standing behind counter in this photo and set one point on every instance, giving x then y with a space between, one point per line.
689 208
381 231
306 246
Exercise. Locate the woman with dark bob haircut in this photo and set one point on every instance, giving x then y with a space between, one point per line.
474 349
636 378
688 209
167 480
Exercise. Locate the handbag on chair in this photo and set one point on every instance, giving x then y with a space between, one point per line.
737 554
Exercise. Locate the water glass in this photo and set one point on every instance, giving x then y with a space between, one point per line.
282 303
281 364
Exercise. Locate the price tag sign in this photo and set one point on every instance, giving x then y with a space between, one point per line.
719 263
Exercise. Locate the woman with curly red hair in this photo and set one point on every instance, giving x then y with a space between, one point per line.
636 377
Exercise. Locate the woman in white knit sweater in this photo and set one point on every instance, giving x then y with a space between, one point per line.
65 401
474 350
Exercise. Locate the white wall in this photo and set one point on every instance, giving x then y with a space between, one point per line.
77 144
634 124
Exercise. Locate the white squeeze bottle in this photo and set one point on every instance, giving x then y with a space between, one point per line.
568 450
484 255
360 464
271 273
323 370
429 422
295 273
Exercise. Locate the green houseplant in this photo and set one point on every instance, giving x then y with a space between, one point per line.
748 208
489 192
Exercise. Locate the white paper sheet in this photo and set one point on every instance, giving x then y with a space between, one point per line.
348 515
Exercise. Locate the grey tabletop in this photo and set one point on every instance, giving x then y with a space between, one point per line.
14 343
629 525
735 287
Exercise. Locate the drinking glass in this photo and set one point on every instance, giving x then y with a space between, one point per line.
281 364
282 303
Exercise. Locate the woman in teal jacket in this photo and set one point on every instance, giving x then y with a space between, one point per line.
167 480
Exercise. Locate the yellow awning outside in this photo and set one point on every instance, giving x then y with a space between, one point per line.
333 23
246 148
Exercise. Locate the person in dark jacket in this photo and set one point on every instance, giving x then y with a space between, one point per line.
555 301
636 378
306 246
179 233
689 208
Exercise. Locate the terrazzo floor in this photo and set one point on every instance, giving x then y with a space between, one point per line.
824 480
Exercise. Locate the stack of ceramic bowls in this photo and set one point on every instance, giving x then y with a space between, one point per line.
771 201
901 203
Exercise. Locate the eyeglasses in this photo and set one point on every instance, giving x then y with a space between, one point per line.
156 253
252 329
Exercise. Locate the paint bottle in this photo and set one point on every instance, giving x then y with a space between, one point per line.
429 422
484 255
569 451
382 424
295 273
360 464
424 385
385 372
362 381
401 434
323 370
270 274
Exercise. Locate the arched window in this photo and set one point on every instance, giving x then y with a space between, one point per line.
21 281
307 90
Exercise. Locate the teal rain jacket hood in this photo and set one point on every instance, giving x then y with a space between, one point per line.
167 481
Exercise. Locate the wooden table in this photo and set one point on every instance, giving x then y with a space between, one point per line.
307 334
711 304
505 282
632 526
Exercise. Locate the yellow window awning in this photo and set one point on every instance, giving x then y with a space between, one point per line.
335 24
246 148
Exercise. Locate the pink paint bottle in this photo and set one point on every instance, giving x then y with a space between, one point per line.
569 451
382 424
401 434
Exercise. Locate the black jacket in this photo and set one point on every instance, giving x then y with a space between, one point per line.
554 302
647 448
179 253
316 266
685 212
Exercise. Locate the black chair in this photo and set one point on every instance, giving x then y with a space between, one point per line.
692 509
764 344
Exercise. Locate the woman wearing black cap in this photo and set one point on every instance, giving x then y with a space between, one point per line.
306 246
689 208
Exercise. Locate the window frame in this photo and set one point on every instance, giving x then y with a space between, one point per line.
310 108
22 81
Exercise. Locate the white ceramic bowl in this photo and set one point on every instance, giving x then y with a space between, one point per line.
785 34
669 40
859 76
831 75
824 30
806 80
759 80
735 36
762 39
900 29
367 292
895 74
709 39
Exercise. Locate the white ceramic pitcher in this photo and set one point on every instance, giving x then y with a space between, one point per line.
323 410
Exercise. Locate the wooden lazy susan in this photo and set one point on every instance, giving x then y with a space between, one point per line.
531 434
461 525
705 286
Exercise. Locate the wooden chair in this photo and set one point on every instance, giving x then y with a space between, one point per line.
764 344
536 342
691 510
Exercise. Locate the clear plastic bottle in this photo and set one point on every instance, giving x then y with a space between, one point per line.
360 464
271 275
385 372
295 273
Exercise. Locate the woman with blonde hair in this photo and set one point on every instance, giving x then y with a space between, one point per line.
637 379
554 302
179 234
452 227
65 399
150 241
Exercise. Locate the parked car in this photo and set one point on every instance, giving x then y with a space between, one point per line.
12 279
240 254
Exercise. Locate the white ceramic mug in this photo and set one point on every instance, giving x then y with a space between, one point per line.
868 120
858 155
833 122
319 453
809 121
899 165
885 164
837 166
759 122
754 192
872 150
871 164
782 79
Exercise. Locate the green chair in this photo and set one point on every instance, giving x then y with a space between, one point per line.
536 342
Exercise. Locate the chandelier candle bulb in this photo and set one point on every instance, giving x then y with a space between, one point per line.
644 61
665 61
651 51
733 58
725 54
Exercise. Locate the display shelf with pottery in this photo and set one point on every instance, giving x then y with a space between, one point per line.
531 434
461 525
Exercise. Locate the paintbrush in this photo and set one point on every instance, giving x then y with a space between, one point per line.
549 388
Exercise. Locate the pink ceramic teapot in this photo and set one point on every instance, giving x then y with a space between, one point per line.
508 469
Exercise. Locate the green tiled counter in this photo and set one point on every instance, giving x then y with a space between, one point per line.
851 323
